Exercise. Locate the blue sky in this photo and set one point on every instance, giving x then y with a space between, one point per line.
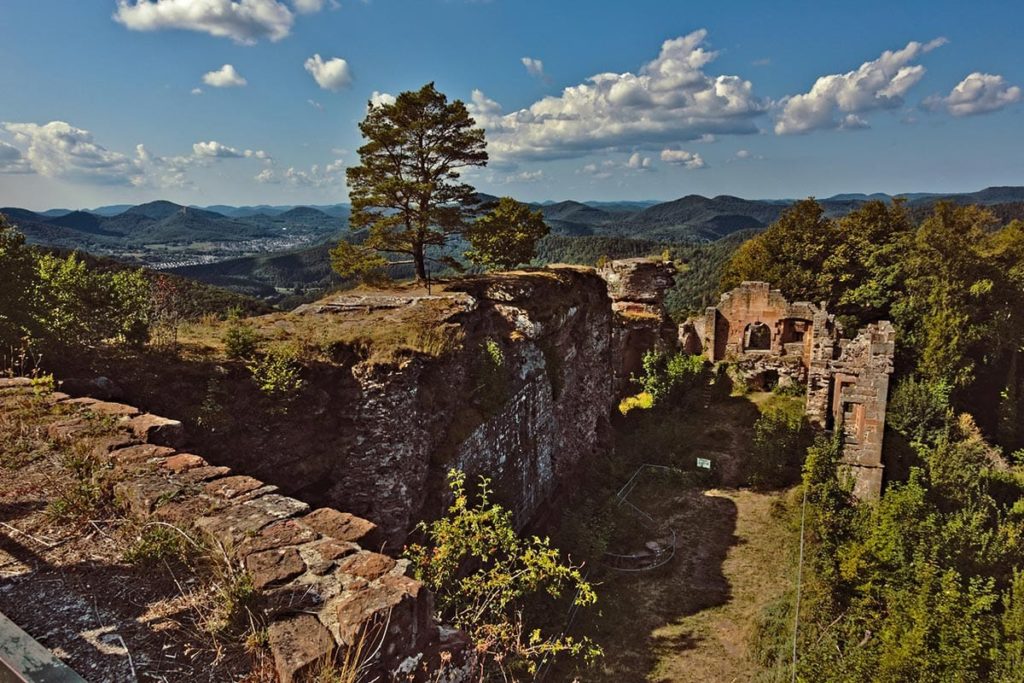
110 102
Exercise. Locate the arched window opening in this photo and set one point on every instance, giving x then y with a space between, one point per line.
757 337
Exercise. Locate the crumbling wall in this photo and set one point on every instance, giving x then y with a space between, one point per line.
637 289
761 334
320 588
860 390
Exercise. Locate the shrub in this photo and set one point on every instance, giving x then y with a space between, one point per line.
240 339
665 376
484 577
277 374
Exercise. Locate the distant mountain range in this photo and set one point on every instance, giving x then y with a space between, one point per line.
163 233
262 249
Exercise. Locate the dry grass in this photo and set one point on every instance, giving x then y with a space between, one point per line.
116 598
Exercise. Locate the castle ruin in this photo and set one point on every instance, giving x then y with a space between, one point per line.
773 342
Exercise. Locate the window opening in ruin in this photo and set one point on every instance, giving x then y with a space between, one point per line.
757 337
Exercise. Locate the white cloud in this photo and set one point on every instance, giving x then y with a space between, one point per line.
333 74
744 155
308 6
214 150
680 157
534 67
878 84
197 91
266 176
378 98
224 77
11 160
59 150
598 170
331 175
638 161
316 105
978 93
244 21
670 99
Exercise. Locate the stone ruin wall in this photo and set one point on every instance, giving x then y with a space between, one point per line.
637 289
756 329
563 341
320 587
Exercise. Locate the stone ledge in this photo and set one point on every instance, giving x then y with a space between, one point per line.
301 561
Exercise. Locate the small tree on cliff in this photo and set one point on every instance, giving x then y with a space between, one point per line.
406 189
506 236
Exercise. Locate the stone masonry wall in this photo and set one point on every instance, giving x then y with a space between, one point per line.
860 394
321 588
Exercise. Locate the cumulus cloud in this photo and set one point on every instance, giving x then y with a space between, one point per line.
680 157
598 170
331 175
214 150
534 67
11 160
978 93
308 6
316 105
197 91
224 77
670 99
638 162
378 99
244 21
332 74
59 150
837 100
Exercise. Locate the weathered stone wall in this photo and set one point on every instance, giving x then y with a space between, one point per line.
729 329
321 589
762 334
860 390
637 289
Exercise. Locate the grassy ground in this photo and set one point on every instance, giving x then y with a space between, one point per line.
695 618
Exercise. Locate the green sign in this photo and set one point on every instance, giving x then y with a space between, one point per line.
704 463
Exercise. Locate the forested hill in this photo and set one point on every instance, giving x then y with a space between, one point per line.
166 223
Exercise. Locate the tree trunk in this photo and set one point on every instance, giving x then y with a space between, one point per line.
420 260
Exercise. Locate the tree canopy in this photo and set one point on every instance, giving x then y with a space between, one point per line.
506 236
406 192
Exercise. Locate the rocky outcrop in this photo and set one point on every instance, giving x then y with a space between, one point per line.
637 289
322 592
523 402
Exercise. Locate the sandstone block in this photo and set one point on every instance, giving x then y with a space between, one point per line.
341 526
157 430
298 644
274 567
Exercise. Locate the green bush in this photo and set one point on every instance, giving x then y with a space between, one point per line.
241 340
277 374
488 581
666 376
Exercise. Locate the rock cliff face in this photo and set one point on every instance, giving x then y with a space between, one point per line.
637 289
523 402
